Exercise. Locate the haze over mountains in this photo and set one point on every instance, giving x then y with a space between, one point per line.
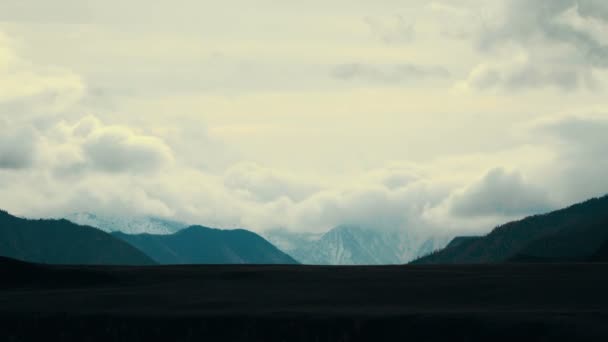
342 245
356 245
576 233
127 224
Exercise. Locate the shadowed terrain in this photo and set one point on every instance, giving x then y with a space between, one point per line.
63 242
304 303
573 234
203 245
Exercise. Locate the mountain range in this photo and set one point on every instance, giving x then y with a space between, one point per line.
59 241
355 245
63 242
127 224
577 233
203 245
343 245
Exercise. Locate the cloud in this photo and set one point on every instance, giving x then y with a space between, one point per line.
563 21
521 73
118 149
18 148
559 43
500 193
579 170
72 149
413 196
388 74
391 30
257 135
264 184
27 89
369 205
579 132
395 176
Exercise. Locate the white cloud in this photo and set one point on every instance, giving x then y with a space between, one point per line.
525 72
500 193
240 125
580 168
117 149
562 44
30 96
18 148
21 83
265 184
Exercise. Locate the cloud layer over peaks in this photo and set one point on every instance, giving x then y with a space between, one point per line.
446 116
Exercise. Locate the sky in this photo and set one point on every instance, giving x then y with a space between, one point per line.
435 115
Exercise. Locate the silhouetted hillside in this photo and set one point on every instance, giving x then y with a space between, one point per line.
601 255
461 240
571 234
63 242
577 244
202 245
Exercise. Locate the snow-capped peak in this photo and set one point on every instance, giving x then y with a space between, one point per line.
126 224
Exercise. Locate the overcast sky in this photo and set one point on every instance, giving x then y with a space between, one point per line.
448 115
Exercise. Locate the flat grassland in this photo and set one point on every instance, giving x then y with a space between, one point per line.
501 302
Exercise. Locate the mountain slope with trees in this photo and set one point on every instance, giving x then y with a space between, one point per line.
63 242
575 233
203 245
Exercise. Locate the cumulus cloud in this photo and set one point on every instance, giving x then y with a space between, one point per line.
395 176
87 145
370 206
522 72
265 184
500 193
117 149
398 196
580 168
583 133
388 74
18 148
558 43
565 21
120 163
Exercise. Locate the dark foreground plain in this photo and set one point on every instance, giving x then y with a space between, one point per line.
505 302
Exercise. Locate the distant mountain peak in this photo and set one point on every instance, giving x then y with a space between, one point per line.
127 224
204 245
63 242
352 244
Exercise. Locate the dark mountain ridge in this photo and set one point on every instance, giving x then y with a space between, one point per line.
575 233
63 242
204 245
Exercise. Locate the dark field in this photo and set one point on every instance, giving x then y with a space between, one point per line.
544 302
